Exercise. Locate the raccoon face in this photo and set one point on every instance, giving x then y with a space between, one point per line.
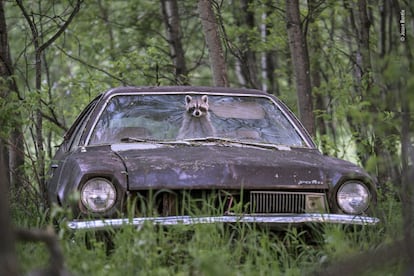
197 107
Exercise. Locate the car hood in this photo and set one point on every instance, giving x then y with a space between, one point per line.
230 167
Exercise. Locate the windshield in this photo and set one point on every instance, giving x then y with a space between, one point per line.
179 117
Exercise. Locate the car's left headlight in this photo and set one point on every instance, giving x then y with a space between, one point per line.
98 195
353 197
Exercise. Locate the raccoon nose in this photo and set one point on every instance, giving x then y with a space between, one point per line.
197 113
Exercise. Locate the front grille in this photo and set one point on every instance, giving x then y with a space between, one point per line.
263 202
207 202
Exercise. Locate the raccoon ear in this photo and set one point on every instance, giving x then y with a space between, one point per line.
204 98
188 99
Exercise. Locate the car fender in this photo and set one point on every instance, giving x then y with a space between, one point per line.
87 163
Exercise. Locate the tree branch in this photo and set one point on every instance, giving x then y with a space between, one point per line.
47 236
92 66
63 27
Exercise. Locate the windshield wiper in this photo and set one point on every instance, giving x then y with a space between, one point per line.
224 141
245 143
152 141
137 140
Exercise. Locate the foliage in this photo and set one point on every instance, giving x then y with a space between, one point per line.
116 43
128 47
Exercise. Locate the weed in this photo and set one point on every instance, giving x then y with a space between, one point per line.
211 249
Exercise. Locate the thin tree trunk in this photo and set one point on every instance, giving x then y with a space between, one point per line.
300 58
105 13
39 48
359 55
364 41
315 48
247 56
173 29
212 37
383 12
269 58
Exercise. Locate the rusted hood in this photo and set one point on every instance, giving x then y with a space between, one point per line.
218 166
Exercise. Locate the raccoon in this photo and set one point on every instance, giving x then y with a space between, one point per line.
196 119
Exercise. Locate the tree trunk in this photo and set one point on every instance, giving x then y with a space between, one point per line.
8 258
15 155
39 47
300 58
5 73
212 37
269 58
315 48
247 57
364 41
173 29
105 13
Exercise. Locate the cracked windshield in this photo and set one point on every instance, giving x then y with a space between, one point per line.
188 116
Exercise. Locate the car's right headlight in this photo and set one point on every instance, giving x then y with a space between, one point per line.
98 195
353 197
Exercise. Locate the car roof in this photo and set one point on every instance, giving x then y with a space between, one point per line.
183 89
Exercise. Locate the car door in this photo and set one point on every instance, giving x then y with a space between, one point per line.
70 143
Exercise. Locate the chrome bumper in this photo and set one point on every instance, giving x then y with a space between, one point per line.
271 220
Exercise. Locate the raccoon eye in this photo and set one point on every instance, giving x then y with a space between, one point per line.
203 109
191 109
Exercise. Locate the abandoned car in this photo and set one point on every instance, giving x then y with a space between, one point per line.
188 155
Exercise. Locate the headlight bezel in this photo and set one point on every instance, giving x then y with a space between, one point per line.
349 191
110 202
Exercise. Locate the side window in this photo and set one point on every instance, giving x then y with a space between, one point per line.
79 125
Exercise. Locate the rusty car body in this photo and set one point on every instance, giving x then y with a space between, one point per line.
261 166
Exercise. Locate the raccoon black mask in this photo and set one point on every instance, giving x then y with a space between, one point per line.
197 107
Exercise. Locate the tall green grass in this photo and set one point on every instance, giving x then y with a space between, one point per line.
214 249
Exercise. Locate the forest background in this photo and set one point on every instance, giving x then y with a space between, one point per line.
344 67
